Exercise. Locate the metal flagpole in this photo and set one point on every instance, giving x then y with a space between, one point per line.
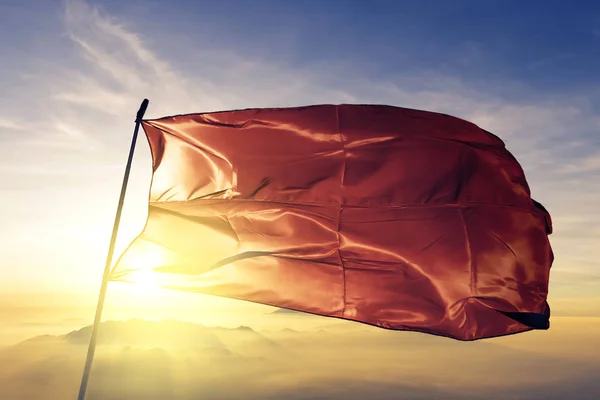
111 249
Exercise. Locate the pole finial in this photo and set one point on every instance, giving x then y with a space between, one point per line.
142 111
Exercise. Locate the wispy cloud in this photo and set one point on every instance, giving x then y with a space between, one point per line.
10 124
583 165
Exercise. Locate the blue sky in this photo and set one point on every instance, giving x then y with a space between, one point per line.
550 46
73 74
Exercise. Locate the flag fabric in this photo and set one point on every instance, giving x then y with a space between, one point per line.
398 218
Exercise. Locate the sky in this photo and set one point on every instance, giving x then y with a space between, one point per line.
73 74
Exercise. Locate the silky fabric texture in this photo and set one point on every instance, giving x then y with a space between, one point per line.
399 218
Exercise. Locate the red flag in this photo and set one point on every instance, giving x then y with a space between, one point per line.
403 219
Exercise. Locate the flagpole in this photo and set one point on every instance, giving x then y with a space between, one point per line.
111 249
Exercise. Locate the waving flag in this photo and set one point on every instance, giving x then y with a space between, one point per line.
403 219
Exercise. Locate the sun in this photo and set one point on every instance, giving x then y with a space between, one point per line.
142 260
145 281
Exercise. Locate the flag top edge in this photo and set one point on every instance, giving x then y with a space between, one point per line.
321 105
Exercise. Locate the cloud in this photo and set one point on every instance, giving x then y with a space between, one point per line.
120 68
583 165
119 62
10 124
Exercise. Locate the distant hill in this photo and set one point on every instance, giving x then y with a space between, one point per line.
171 335
141 333
144 360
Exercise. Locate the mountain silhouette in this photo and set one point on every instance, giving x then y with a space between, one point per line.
139 359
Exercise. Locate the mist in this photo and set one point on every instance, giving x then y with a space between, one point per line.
139 359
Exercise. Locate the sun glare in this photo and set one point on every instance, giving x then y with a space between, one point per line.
145 281
142 260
